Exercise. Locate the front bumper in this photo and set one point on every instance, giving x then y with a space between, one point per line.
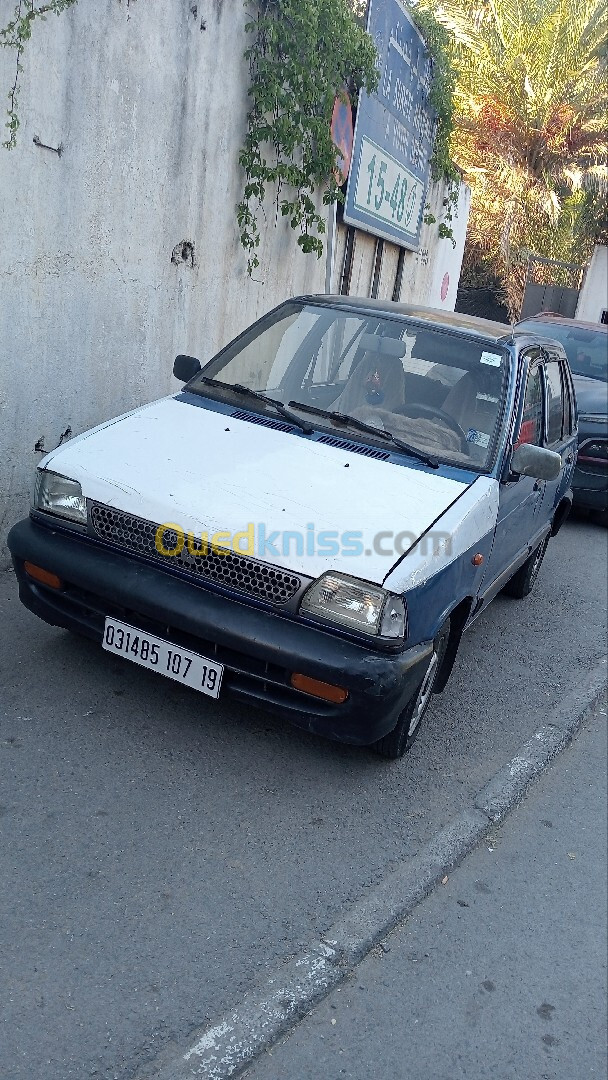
260 649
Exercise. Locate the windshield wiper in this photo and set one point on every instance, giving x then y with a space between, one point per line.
370 429
245 391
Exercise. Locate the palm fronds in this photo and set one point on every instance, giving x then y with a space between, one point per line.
531 122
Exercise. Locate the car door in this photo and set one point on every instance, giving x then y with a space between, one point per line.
560 434
520 497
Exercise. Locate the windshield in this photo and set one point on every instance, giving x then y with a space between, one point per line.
438 391
587 350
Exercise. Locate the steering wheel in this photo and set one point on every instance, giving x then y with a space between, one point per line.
417 409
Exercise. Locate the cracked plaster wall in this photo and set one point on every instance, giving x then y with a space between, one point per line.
148 103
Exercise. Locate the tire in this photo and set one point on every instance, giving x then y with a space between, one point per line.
522 583
398 741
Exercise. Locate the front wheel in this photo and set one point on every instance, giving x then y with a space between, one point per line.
398 741
522 583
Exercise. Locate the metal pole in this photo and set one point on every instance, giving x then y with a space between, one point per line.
330 255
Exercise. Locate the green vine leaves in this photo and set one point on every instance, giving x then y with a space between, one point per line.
303 55
15 35
441 97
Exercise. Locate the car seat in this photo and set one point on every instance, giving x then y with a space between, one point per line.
377 380
461 401
472 402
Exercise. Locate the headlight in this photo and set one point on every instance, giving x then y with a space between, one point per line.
58 495
348 602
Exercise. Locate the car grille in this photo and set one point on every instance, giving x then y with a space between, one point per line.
237 572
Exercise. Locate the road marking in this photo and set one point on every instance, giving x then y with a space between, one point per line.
262 1017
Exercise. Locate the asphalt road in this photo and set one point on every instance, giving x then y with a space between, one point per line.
501 973
160 852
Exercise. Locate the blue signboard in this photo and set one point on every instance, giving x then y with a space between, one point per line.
394 132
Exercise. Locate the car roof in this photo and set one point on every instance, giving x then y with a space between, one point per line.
549 317
450 320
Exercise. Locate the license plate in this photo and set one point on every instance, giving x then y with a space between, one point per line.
152 652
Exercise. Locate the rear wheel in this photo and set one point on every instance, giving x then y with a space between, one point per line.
398 741
522 583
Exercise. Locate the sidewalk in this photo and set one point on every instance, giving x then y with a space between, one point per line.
500 974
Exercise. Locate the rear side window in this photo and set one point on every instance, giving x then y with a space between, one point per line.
555 402
531 430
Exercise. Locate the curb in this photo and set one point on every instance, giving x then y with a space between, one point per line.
509 784
267 1013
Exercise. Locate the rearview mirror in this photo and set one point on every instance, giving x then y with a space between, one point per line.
536 461
186 367
384 346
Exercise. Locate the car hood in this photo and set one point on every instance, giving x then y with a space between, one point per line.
207 471
591 396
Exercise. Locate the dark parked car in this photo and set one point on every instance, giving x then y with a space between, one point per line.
586 345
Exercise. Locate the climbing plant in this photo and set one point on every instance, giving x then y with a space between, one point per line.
441 96
15 36
303 54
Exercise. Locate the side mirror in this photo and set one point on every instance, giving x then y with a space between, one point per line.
536 461
186 367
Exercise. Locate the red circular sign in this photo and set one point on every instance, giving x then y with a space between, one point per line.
342 136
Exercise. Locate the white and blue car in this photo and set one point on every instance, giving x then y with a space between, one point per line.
315 519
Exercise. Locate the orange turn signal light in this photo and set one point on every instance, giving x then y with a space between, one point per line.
43 576
319 689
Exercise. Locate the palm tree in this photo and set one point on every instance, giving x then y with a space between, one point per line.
530 134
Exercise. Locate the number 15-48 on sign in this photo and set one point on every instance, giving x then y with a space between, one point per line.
386 189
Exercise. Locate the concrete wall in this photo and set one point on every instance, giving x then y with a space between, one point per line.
123 250
593 298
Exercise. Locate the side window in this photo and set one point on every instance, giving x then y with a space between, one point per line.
531 430
555 402
569 410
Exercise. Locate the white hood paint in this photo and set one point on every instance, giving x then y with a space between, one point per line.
471 518
205 471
